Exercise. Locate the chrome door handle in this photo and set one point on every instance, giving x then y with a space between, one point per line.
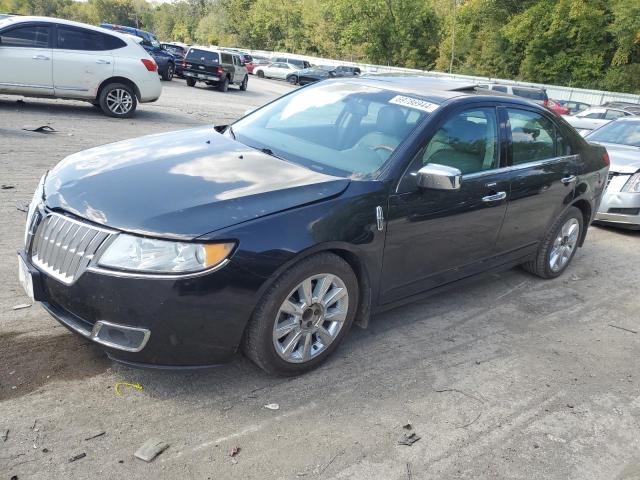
40 57
103 62
569 179
495 198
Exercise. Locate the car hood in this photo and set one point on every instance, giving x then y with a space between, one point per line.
624 158
181 184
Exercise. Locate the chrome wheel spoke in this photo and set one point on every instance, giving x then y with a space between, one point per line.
564 245
283 329
336 315
306 348
322 286
305 292
291 308
291 342
333 296
325 337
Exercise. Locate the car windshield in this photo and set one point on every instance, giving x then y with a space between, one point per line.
154 41
340 128
621 132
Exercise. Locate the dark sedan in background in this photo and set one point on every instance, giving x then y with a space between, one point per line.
331 203
321 72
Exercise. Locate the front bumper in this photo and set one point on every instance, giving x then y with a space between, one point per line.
620 208
189 322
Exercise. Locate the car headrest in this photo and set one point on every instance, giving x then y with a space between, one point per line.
391 121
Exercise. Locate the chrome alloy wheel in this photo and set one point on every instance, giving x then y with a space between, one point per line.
310 318
119 101
564 245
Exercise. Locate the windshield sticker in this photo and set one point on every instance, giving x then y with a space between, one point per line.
414 103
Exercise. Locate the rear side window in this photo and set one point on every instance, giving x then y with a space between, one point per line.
203 56
88 40
597 115
613 114
533 136
530 94
500 88
27 37
174 50
227 58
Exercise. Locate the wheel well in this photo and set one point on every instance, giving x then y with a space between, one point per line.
585 208
123 80
364 285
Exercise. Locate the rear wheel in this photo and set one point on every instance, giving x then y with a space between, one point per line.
292 79
223 86
118 100
245 81
191 82
558 246
260 74
303 317
167 75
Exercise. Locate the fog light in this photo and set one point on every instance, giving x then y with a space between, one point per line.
120 337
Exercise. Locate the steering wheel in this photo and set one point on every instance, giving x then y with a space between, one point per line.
383 147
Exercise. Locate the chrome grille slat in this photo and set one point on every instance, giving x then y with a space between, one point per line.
64 247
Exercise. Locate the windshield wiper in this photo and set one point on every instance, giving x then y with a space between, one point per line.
268 151
230 130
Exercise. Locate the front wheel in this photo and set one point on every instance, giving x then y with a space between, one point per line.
245 81
558 246
260 74
293 80
167 75
118 100
303 317
191 82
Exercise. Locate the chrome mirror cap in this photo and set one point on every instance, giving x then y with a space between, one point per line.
438 177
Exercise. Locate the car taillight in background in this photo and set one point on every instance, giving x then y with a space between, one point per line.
605 159
151 65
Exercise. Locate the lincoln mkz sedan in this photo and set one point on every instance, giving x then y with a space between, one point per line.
275 234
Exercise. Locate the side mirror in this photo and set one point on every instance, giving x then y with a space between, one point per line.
438 177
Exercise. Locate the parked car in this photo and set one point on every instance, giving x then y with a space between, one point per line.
295 62
620 204
538 95
257 62
165 61
595 117
347 71
574 107
216 68
340 199
179 53
315 74
279 70
556 107
49 57
627 106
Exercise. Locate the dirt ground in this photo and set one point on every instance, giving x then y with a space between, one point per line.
512 377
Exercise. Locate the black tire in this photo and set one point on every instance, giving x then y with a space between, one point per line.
191 82
540 265
258 343
245 82
223 86
260 74
167 75
292 79
106 101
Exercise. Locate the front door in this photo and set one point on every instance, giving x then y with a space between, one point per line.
25 59
438 236
543 178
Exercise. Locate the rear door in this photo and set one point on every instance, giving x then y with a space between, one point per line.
25 59
203 63
82 60
543 177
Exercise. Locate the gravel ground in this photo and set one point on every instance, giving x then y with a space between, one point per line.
512 377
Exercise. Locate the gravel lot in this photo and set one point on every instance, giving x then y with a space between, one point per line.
511 377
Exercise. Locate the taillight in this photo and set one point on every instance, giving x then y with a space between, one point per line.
605 159
151 65
220 70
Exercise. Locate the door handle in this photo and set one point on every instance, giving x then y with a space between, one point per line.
103 62
40 57
495 197
569 179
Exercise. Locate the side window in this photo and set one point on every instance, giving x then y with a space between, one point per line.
226 58
80 39
467 141
596 115
499 88
533 136
613 114
27 37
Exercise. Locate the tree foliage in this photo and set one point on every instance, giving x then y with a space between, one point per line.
582 43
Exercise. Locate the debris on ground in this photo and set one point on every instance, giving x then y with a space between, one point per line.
234 451
408 471
22 206
77 457
408 438
5 435
272 406
96 435
408 426
21 306
117 391
7 187
622 328
151 449
41 129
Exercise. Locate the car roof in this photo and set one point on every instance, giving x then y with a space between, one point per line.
24 19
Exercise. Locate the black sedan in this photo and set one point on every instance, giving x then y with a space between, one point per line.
302 218
322 72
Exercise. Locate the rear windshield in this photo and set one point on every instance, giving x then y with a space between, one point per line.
203 56
530 94
174 50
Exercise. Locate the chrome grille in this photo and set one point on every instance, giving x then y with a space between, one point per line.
63 247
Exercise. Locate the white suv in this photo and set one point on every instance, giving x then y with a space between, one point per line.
48 57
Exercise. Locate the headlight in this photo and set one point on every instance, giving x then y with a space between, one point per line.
633 184
35 201
139 254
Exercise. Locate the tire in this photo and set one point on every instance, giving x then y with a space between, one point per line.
167 75
309 348
559 243
191 82
224 85
260 74
292 79
245 81
118 100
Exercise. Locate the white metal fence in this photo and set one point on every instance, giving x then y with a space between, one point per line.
592 97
